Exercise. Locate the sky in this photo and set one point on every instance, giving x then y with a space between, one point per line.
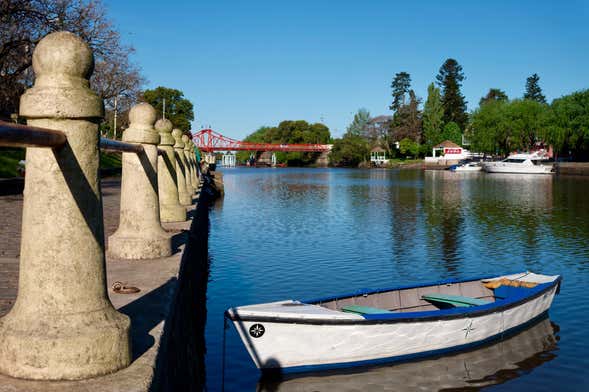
246 64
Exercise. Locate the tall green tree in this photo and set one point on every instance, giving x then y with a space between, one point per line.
433 113
401 85
450 79
407 121
179 110
494 94
568 124
533 91
452 132
359 126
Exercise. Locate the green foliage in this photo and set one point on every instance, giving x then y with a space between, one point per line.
533 91
450 79
433 112
110 160
503 127
568 123
407 121
494 94
400 85
349 151
290 132
452 132
409 147
359 125
9 158
179 110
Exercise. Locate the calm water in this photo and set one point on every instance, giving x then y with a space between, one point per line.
301 233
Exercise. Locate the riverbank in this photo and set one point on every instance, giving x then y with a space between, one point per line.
150 309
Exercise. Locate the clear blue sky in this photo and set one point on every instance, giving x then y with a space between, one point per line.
245 64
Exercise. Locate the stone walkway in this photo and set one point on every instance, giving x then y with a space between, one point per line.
156 278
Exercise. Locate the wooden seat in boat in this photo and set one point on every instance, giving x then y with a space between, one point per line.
363 309
455 300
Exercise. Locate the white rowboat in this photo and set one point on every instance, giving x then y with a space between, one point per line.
384 325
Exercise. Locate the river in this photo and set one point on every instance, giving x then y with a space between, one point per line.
305 233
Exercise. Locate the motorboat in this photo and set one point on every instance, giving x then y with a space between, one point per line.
372 326
524 163
467 167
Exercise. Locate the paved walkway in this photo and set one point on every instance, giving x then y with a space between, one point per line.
156 278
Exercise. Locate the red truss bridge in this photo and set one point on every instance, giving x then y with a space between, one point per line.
209 141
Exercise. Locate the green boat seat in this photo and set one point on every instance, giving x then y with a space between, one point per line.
363 309
455 300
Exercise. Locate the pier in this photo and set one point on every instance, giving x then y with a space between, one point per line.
91 269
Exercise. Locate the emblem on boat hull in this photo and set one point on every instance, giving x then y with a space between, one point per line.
257 330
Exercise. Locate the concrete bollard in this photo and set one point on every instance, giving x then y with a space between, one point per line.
184 193
190 170
63 325
170 208
140 234
195 178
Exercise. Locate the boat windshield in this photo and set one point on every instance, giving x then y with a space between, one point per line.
514 160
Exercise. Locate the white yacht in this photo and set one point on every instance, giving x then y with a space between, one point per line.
524 163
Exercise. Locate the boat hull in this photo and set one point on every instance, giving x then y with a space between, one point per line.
314 344
500 167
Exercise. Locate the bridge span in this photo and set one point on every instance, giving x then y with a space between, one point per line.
208 140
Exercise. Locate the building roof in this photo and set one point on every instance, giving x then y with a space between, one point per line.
447 144
380 119
378 149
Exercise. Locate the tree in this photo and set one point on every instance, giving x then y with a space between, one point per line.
407 121
568 124
409 147
348 151
179 110
433 113
291 132
494 94
450 79
24 22
400 85
452 132
359 126
533 91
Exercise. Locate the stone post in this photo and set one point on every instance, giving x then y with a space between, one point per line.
195 179
190 170
184 194
140 234
63 325
170 208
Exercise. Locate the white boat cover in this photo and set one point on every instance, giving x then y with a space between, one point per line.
526 277
292 308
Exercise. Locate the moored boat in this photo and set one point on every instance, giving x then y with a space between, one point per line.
383 325
467 167
523 163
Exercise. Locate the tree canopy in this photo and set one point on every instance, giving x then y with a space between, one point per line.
494 94
359 126
23 23
533 91
349 151
450 79
290 132
401 85
179 110
433 113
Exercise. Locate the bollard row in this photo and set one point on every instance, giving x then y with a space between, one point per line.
72 330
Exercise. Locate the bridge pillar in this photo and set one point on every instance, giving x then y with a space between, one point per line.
191 184
170 208
63 326
140 234
184 195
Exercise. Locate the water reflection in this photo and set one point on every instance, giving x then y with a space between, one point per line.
490 365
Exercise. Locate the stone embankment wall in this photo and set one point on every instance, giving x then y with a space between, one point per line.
573 168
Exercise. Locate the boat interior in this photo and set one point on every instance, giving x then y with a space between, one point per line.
418 299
